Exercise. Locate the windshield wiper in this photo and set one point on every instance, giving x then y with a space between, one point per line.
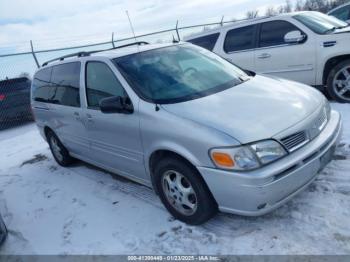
335 28
330 30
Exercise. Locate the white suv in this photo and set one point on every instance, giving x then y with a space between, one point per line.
308 47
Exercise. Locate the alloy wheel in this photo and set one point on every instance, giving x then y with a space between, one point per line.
56 149
179 192
341 83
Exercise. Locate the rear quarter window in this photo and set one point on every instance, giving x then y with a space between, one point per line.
65 83
208 42
42 88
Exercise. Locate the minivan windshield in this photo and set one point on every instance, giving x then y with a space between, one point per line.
178 73
320 23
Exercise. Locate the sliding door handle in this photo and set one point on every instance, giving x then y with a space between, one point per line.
76 115
264 56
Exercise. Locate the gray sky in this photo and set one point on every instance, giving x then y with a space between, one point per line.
51 23
62 23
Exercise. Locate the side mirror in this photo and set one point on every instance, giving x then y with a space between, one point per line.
116 104
294 37
249 72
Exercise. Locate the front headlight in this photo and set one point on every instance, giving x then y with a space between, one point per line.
247 157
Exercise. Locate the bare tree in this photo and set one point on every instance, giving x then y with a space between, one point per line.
299 6
252 14
280 9
288 7
270 11
318 5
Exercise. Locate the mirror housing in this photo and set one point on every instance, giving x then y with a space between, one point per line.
294 37
116 104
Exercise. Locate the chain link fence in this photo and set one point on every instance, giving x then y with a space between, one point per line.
17 68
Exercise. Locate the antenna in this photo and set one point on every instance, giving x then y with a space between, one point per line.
132 28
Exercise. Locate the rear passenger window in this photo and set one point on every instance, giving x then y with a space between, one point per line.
207 42
42 89
65 80
240 39
272 33
101 83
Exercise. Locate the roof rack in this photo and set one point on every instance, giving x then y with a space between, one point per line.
87 53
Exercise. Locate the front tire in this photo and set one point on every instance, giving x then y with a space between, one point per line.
338 82
183 192
59 152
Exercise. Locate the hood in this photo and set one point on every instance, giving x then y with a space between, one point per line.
342 30
254 110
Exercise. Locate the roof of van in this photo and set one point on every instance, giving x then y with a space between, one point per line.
118 52
243 22
111 54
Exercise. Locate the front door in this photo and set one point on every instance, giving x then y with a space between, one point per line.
274 56
114 137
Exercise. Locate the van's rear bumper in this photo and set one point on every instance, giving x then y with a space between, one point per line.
260 191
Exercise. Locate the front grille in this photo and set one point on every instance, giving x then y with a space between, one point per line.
297 140
294 141
319 124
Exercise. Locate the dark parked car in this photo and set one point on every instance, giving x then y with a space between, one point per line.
3 231
15 99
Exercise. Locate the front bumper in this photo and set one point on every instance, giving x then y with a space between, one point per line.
263 190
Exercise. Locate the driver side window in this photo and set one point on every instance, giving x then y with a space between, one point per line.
101 83
272 33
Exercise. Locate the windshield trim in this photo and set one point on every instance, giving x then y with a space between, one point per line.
186 98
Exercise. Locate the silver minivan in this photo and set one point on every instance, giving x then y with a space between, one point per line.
205 134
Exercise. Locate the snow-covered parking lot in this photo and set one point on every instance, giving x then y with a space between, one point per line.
82 210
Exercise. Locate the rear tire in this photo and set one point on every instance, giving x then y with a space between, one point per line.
183 191
338 82
59 152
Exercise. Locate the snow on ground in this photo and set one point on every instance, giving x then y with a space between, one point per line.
83 210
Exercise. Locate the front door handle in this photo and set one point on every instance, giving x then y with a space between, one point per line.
76 115
264 56
89 118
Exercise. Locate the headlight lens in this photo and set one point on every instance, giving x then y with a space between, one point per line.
268 151
247 157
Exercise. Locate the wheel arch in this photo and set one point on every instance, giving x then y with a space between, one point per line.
158 154
47 129
331 62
